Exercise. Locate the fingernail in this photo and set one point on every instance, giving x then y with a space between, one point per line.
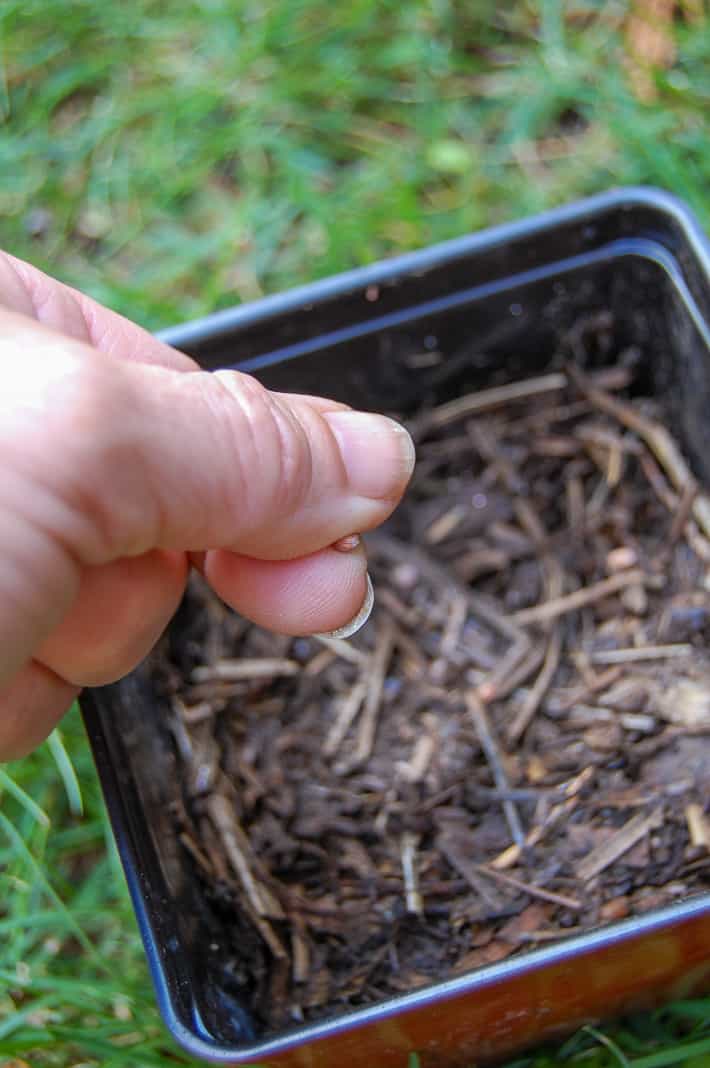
358 621
378 453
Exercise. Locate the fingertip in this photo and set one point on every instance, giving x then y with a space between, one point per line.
313 594
358 621
30 707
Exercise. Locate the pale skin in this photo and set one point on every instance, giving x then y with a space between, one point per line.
122 465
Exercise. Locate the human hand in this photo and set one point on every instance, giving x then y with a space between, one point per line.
121 463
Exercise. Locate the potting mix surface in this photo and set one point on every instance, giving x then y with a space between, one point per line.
515 749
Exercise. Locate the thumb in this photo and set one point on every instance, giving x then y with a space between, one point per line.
107 459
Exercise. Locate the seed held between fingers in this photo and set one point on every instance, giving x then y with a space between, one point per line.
347 544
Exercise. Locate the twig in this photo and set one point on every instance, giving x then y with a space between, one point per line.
574 499
378 670
408 853
655 436
658 482
300 956
510 856
625 838
236 670
343 649
236 846
488 448
554 585
528 888
415 768
571 602
520 674
698 826
318 663
492 753
199 713
467 869
685 508
196 853
454 625
532 701
348 709
396 551
641 652
440 529
487 400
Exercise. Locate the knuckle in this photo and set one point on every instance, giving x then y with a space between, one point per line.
272 450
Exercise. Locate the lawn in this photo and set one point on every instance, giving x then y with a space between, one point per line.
173 158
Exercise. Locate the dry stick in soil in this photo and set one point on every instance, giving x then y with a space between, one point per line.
342 648
510 856
590 687
656 437
349 706
542 683
238 670
451 848
626 837
554 585
380 662
572 602
641 653
408 855
698 826
487 400
530 889
482 607
493 756
236 846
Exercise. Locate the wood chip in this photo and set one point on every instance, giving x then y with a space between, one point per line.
528 888
348 708
373 696
620 842
659 440
572 602
639 653
530 705
408 854
237 848
343 648
491 749
487 400
698 826
236 670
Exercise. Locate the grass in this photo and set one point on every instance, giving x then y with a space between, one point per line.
174 158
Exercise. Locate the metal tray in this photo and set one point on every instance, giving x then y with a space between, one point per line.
498 299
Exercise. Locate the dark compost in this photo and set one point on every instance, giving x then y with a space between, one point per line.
514 749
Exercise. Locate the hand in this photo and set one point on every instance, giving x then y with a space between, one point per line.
121 463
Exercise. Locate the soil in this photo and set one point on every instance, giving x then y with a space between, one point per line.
516 748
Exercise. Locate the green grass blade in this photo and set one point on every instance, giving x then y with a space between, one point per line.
67 773
42 881
673 1055
8 784
604 1040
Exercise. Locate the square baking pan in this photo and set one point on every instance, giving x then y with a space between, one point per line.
493 303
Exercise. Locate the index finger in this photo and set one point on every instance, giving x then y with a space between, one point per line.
25 289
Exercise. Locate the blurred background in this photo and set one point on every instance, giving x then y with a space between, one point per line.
172 158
